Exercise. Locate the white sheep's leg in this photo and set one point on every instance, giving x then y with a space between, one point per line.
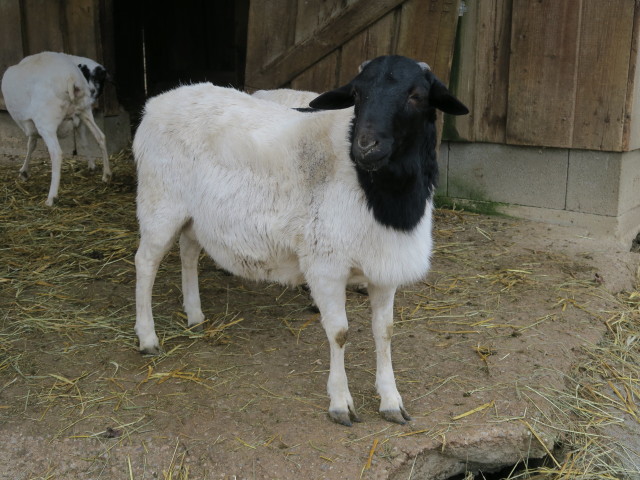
31 145
190 250
87 117
154 244
391 407
330 297
55 152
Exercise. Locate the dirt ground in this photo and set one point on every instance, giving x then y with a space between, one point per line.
482 350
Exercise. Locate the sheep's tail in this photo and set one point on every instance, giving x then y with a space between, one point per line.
74 91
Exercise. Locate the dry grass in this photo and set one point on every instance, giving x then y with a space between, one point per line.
68 276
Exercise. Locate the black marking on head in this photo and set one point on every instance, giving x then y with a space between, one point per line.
393 135
85 71
95 78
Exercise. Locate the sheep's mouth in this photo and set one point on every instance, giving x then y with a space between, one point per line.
370 166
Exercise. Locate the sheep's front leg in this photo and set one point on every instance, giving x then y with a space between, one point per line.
87 118
81 132
391 407
329 296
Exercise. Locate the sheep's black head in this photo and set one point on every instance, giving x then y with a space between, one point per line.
394 97
95 78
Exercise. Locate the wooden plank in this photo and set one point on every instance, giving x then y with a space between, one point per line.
376 40
271 31
105 47
427 33
43 26
543 72
631 131
82 28
10 35
349 22
603 71
320 77
489 108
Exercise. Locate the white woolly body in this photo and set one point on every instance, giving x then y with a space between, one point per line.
269 192
46 79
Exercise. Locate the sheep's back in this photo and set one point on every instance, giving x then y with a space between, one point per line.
44 80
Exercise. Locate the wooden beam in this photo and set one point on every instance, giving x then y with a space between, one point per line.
342 27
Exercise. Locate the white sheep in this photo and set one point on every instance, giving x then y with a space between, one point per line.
48 94
286 96
323 197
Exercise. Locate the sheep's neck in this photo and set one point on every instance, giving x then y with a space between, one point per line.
398 193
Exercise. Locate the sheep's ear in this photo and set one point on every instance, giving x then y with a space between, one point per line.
341 97
441 98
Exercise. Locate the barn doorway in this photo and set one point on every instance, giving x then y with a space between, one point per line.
160 44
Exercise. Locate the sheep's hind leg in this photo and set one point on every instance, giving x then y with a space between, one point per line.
391 407
330 297
190 250
156 237
31 145
55 152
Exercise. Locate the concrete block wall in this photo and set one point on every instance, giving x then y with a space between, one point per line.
598 191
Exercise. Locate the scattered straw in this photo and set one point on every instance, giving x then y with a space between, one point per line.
474 410
68 278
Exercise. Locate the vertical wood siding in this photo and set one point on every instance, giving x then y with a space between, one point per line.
549 73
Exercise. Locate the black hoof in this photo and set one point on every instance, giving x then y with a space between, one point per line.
155 350
344 417
396 416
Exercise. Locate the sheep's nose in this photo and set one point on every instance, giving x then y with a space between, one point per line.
366 143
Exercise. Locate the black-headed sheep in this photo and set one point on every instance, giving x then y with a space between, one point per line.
322 197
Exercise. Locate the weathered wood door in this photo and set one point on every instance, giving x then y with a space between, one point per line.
319 44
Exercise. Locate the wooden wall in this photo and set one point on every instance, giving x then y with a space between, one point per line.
549 73
318 44
70 26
